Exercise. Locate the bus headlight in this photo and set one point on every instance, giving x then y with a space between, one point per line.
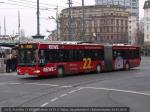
37 71
18 70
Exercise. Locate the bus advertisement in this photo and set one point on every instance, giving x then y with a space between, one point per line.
58 59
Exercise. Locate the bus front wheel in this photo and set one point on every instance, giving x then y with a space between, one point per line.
60 71
98 68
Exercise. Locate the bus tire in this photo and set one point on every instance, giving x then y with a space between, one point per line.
60 71
98 68
127 66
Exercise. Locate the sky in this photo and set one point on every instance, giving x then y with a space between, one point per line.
27 8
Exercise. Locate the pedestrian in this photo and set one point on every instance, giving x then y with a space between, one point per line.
9 63
14 63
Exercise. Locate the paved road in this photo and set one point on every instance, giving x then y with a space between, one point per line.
114 89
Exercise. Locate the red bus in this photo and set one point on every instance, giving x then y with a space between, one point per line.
42 59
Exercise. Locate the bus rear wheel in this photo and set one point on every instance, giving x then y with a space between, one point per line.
60 71
98 69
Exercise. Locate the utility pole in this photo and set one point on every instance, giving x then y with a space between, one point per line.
0 30
38 18
4 26
57 20
83 27
19 24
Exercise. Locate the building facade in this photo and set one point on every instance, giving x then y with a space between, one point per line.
133 28
102 23
147 22
133 7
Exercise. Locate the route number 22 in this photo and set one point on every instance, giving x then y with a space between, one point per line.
87 63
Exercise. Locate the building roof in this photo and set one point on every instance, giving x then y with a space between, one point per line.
147 4
96 6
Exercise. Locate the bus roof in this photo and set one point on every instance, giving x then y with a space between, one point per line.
59 42
41 41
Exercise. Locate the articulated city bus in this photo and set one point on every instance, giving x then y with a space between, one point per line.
61 58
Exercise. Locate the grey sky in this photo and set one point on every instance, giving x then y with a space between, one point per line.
9 9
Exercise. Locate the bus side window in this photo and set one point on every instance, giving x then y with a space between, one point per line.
48 55
135 53
114 54
66 54
101 54
119 53
94 54
80 55
75 53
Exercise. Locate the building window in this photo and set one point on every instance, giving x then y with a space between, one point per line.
108 29
129 27
117 22
121 22
126 22
117 29
111 21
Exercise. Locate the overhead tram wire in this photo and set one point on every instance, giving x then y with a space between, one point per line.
40 3
27 1
12 8
32 7
77 2
13 1
20 5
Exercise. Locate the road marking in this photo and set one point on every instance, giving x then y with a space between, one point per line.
38 84
8 74
66 86
80 89
42 84
118 90
8 83
54 99
72 91
63 95
43 105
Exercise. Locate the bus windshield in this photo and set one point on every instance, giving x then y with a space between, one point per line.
27 57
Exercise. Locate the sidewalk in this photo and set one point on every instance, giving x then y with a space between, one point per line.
12 73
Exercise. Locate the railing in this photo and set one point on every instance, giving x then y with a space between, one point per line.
9 41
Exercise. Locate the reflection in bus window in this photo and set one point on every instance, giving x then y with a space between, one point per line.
27 57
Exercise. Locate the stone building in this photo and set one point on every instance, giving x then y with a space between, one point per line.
131 5
147 27
102 23
147 22
133 23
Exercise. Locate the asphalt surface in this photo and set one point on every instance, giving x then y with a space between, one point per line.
112 89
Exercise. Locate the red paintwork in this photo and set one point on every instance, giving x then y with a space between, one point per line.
69 67
73 67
